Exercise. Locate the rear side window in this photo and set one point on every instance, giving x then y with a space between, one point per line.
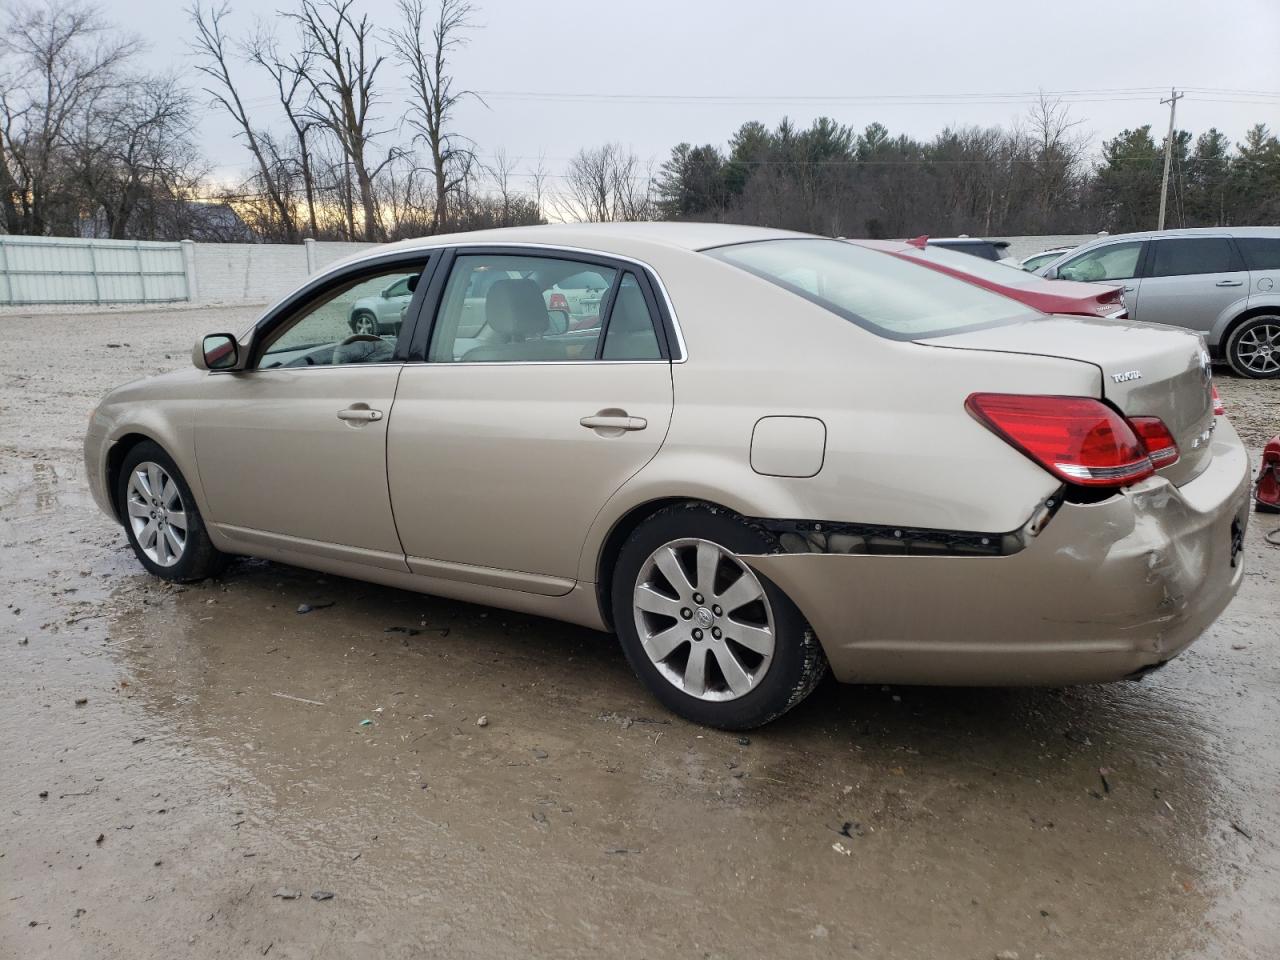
1190 255
630 334
885 294
1260 253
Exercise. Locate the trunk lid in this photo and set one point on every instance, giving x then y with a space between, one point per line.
1144 370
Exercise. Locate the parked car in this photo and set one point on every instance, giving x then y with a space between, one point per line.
380 313
778 453
974 246
1048 296
1038 260
1223 282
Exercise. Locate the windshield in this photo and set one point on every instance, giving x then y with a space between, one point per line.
885 294
989 270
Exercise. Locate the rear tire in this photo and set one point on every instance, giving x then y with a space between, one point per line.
161 519
714 641
1253 349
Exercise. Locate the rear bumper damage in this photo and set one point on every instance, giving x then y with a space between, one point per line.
1104 591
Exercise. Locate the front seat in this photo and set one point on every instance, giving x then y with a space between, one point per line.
514 310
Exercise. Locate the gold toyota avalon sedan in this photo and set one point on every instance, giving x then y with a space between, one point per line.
749 453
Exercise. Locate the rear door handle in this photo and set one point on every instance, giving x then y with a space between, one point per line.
1130 289
359 414
1230 283
620 422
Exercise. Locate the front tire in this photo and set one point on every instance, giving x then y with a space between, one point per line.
365 323
713 640
161 519
1253 349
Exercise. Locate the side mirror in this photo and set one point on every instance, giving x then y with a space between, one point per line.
559 321
1051 273
217 351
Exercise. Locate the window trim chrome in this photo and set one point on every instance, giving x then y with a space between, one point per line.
435 249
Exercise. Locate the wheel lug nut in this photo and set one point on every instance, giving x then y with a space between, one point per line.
697 598
715 632
716 610
697 634
686 612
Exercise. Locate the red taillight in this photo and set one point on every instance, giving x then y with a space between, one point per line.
558 302
1078 439
1155 436
1218 409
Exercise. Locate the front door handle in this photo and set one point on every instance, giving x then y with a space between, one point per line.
1230 283
359 414
1130 289
620 421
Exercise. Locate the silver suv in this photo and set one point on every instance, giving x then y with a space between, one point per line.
1222 281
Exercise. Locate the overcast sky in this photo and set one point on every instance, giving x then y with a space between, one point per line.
905 56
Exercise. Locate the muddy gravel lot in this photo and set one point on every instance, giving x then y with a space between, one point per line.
207 772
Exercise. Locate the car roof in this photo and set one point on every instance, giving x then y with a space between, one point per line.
606 237
1192 232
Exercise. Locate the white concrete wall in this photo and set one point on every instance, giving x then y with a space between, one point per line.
1021 247
260 272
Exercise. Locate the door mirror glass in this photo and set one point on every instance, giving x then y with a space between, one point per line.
218 351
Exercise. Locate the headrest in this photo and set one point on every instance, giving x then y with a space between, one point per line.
514 308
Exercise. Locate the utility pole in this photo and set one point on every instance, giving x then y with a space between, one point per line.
1174 97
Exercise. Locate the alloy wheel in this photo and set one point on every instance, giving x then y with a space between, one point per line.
366 324
1258 349
157 515
704 620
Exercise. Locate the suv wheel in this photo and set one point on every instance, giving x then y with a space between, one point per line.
1253 349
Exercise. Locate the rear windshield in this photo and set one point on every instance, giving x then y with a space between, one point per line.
885 294
1000 273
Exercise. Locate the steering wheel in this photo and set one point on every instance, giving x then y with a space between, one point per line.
354 338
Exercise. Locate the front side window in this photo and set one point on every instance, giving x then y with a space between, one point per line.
357 321
1260 253
887 295
500 308
1191 255
1115 261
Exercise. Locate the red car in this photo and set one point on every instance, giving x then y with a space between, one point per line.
1048 296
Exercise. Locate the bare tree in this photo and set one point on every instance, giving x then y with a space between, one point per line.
214 60
132 156
1059 149
501 171
342 79
289 75
55 60
434 97
539 176
605 184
